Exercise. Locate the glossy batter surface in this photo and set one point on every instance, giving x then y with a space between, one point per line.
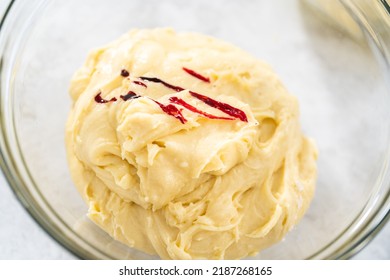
170 172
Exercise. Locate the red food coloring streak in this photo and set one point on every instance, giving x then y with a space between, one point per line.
157 80
181 102
125 73
197 75
172 110
140 83
130 95
224 107
100 99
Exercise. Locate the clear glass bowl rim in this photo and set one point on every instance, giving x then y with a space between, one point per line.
376 213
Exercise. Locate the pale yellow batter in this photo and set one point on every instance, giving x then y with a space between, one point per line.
203 189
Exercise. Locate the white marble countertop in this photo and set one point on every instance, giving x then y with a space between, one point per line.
22 238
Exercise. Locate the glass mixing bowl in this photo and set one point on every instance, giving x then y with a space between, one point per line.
338 74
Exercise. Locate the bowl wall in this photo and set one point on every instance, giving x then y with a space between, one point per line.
339 82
